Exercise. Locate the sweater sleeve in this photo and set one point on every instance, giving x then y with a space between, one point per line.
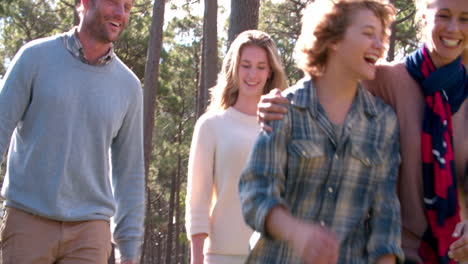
200 178
387 77
15 94
128 180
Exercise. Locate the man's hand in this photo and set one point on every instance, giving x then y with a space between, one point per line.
315 244
270 108
458 251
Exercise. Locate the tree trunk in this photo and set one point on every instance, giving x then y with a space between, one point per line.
391 44
177 205
178 178
392 40
159 238
170 215
76 17
150 88
244 16
209 60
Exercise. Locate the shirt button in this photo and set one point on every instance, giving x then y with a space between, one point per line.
330 189
322 223
366 161
336 156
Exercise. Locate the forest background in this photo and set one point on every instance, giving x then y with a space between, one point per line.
176 48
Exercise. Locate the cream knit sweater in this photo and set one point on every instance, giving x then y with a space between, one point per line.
220 148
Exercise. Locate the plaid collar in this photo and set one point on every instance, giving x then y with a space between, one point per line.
74 46
307 97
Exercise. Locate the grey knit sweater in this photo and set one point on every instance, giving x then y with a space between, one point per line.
76 150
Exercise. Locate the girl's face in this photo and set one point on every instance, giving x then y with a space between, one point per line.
446 28
361 46
253 71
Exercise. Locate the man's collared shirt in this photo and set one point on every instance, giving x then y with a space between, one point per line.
346 184
74 46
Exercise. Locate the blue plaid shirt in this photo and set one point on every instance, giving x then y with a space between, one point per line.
346 184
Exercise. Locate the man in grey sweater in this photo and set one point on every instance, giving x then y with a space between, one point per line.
73 113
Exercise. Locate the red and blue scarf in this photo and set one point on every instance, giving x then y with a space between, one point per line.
444 90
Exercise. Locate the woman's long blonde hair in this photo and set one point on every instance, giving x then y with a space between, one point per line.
226 91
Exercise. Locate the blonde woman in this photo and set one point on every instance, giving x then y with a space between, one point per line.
220 146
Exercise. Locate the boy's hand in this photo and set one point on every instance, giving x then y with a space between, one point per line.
315 244
386 259
270 108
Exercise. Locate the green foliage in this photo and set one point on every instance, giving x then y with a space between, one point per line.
176 97
283 22
406 28
25 20
133 42
174 119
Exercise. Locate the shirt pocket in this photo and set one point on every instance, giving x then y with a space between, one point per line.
306 161
366 161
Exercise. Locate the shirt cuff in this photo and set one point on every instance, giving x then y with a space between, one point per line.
129 250
194 230
262 213
387 250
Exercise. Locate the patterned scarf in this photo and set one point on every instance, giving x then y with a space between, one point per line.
444 90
